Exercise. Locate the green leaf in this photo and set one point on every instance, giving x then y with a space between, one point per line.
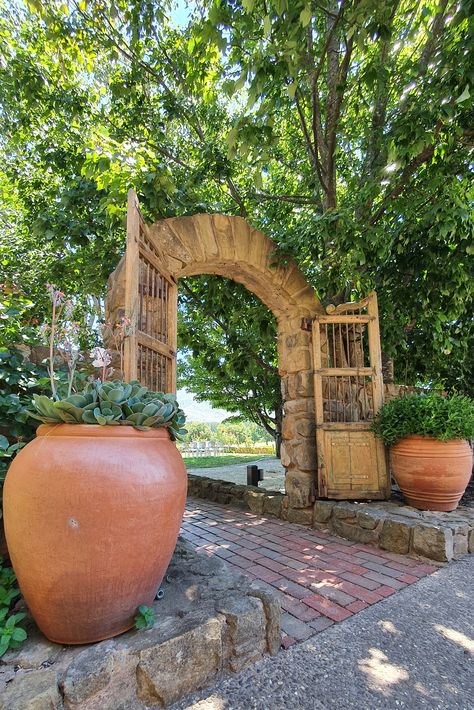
19 635
4 644
267 25
305 16
291 89
145 617
464 96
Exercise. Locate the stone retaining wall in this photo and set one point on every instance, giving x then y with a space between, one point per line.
210 620
258 500
395 527
389 525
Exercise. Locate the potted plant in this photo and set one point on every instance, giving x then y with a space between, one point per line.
93 507
430 452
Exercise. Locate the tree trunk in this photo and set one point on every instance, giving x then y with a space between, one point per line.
278 428
388 369
278 446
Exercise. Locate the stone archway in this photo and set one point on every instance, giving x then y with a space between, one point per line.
230 247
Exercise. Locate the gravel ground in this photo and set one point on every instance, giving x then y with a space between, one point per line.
412 650
273 476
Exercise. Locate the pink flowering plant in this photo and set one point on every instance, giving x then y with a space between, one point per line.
117 333
62 334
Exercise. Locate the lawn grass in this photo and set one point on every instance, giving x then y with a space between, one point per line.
226 460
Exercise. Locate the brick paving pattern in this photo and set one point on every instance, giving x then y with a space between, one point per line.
322 579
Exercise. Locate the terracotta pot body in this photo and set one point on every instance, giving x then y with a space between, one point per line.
92 515
432 474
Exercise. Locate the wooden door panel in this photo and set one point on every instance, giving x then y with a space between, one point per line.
364 474
352 466
151 304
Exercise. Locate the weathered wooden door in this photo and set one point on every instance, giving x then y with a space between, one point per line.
348 390
151 305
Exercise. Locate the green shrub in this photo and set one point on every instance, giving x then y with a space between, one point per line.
19 380
18 319
252 449
114 403
430 415
11 634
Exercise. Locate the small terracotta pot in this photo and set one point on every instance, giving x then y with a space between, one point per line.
432 474
92 514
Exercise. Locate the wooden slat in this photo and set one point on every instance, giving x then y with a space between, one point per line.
172 321
131 285
154 344
319 409
346 426
375 353
152 259
343 308
377 389
344 371
344 319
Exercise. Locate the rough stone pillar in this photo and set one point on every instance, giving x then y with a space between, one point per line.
298 434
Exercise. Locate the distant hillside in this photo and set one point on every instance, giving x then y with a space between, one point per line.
199 411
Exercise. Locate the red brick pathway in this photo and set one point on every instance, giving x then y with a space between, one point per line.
322 579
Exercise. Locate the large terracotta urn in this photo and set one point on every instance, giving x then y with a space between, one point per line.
432 474
92 514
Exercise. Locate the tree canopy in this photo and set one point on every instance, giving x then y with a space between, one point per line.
342 129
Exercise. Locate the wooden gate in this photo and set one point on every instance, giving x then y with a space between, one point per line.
348 390
151 304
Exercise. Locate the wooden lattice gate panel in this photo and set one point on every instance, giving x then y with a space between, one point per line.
151 304
348 390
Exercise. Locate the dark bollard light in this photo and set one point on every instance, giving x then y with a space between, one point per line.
254 475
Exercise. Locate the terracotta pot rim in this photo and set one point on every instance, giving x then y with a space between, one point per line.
97 431
428 438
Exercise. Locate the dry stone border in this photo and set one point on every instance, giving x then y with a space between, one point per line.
389 525
211 619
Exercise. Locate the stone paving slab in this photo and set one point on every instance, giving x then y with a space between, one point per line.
318 576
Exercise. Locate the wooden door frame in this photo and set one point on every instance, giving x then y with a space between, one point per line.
346 314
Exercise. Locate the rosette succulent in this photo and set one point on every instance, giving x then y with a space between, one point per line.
114 403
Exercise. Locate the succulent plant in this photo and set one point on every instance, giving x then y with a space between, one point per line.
114 403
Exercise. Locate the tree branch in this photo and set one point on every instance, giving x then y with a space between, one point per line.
294 199
313 156
331 126
433 35
407 173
